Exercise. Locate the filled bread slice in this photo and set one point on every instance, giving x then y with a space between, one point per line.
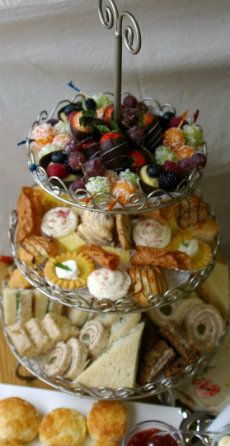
17 305
117 367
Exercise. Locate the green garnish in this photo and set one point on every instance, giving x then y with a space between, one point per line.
114 125
185 243
166 310
51 360
102 128
201 328
62 266
86 337
18 296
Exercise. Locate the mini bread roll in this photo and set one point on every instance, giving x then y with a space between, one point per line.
19 420
103 443
107 420
63 427
13 443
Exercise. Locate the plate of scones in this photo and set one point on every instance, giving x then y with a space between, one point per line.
38 417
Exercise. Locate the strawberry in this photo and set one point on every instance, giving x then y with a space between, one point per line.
110 136
8 260
108 113
138 160
57 170
148 119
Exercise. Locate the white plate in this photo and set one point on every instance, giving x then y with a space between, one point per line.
47 400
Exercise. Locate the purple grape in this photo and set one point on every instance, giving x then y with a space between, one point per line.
137 135
52 121
94 167
72 147
198 160
76 160
130 101
185 165
78 184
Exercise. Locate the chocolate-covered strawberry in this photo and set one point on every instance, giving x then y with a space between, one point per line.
153 131
114 150
79 129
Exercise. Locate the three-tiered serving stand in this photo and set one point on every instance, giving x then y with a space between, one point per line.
180 284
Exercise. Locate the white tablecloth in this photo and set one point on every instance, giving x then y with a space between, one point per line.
184 60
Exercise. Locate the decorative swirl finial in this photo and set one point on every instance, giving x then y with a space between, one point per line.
109 16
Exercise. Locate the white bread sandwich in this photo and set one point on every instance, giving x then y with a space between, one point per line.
17 305
117 367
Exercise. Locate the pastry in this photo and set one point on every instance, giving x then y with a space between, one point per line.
107 420
21 340
17 280
198 251
10 443
95 336
124 230
63 427
17 305
151 233
123 254
38 335
175 367
58 222
204 326
71 242
144 256
69 270
155 359
204 230
19 420
34 250
175 336
106 284
98 219
123 191
57 361
79 358
191 211
102 256
95 235
123 326
30 211
147 281
117 366
58 327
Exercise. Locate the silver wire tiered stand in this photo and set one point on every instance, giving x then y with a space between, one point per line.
139 202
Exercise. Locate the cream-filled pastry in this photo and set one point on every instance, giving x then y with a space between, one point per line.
59 221
151 233
104 283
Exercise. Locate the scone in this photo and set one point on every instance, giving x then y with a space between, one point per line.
63 427
107 420
13 443
19 420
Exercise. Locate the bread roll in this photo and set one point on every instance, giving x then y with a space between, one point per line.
63 427
107 420
19 420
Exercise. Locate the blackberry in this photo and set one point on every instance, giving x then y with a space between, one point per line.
90 104
69 108
59 157
168 181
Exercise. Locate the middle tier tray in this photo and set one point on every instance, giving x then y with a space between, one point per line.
173 284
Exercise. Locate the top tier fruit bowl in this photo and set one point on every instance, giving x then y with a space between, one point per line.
152 158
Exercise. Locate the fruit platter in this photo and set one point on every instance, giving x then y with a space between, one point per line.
103 262
152 157
109 355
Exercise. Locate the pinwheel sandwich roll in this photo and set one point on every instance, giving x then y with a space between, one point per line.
95 335
79 358
57 361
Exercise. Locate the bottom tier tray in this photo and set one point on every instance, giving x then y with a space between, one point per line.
157 386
